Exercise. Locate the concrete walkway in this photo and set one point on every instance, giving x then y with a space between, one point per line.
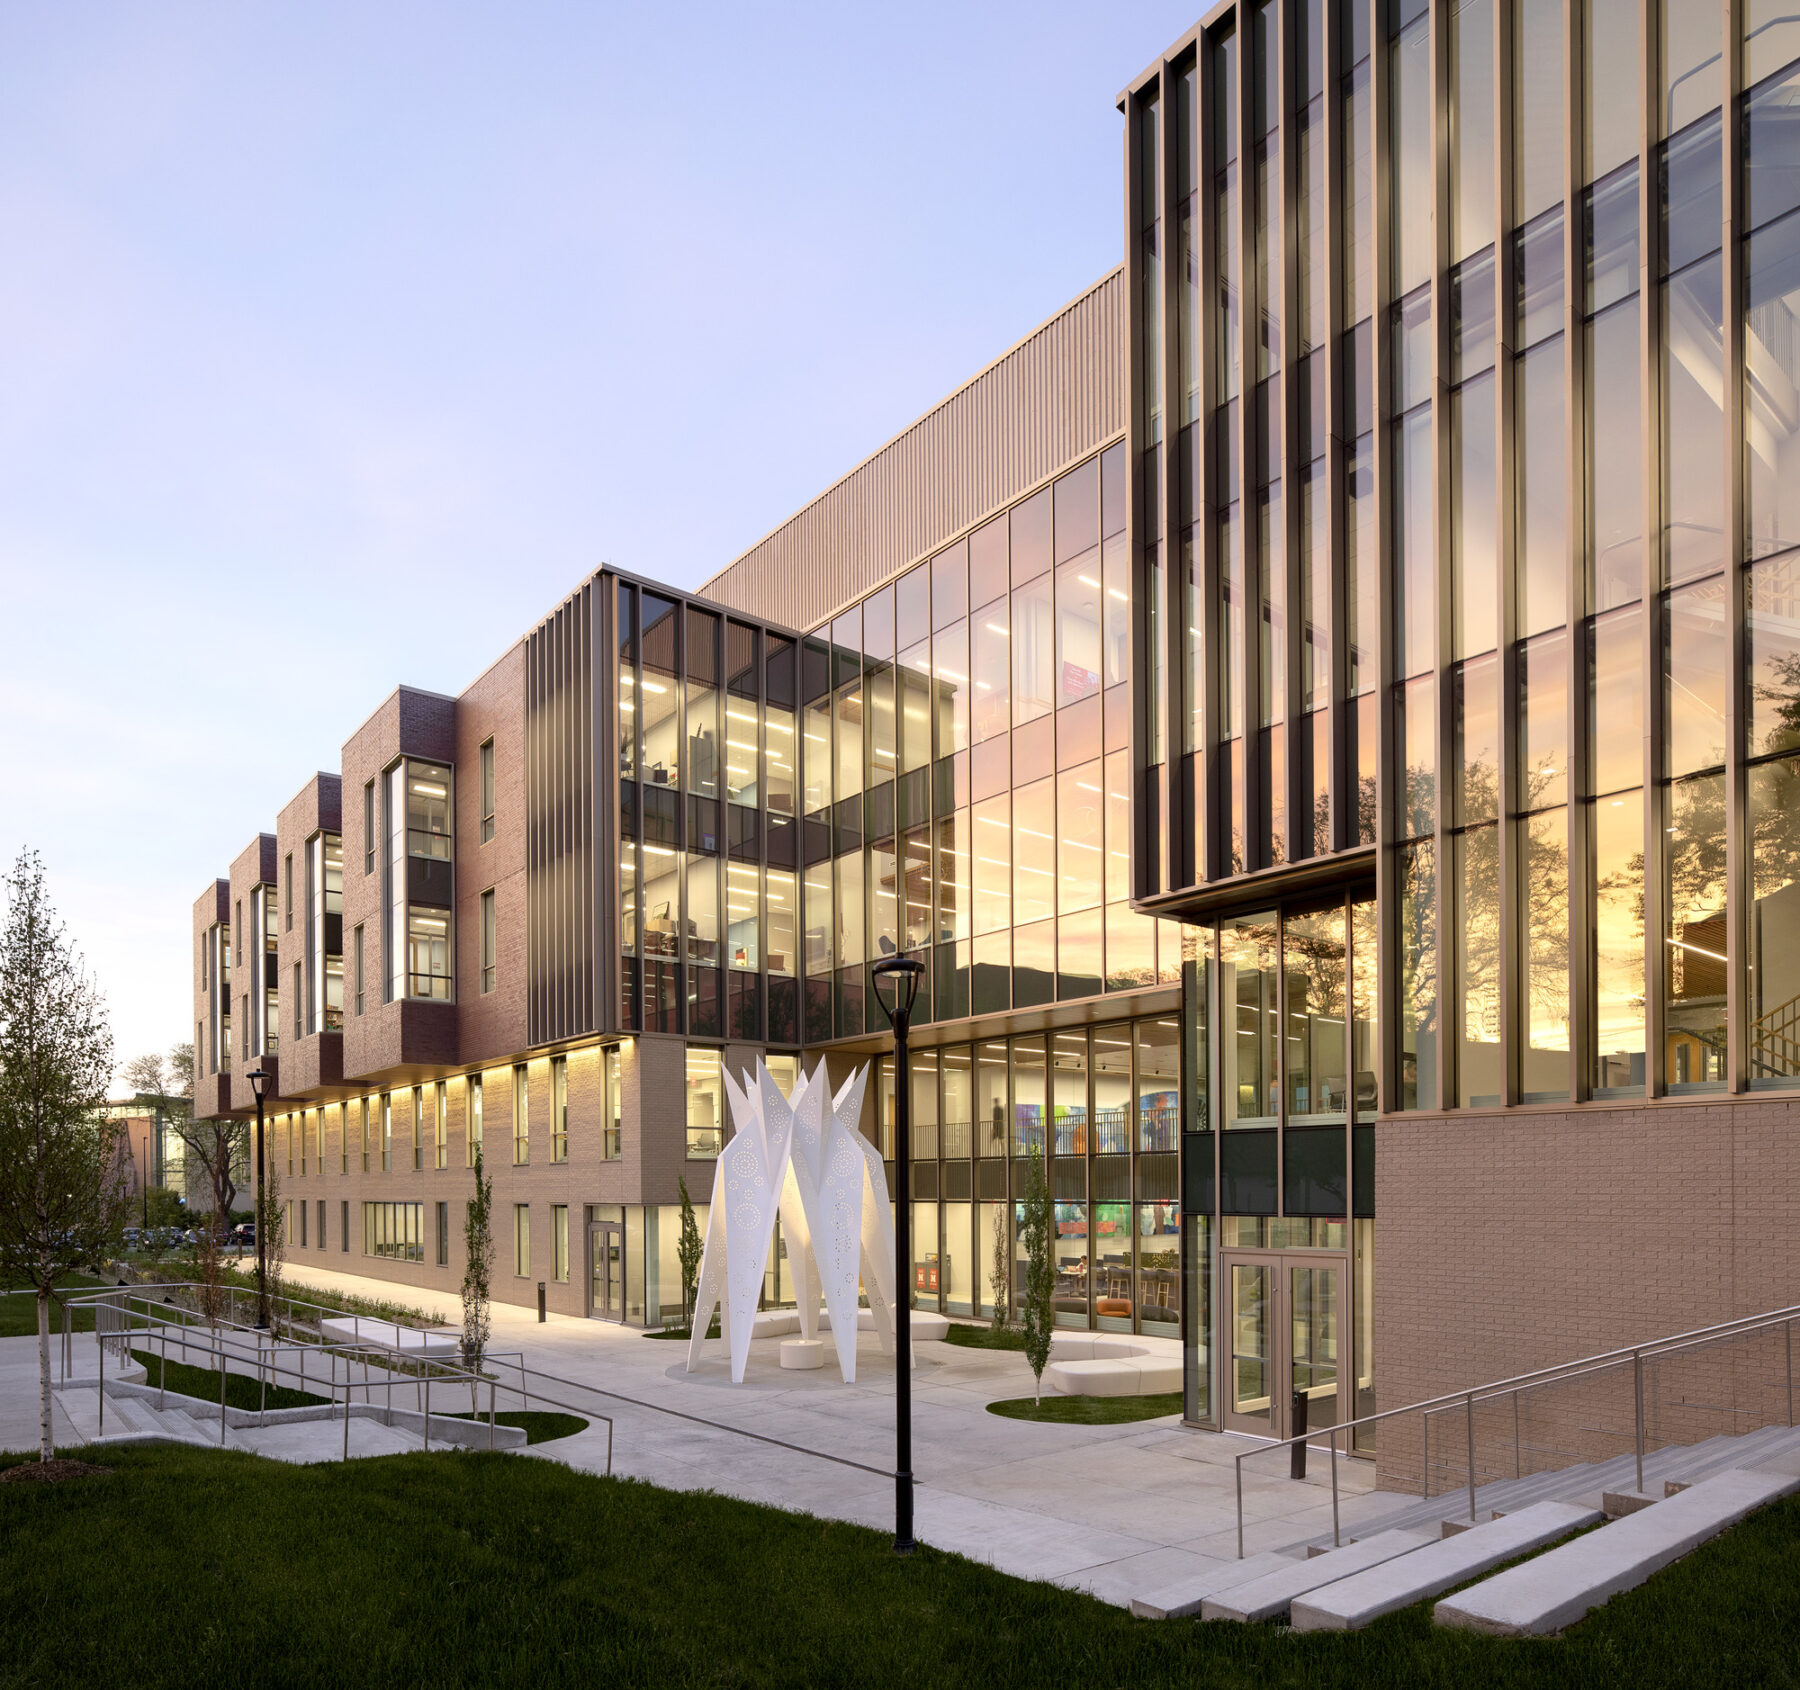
1110 1509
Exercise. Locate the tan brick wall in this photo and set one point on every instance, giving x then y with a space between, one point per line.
1516 1240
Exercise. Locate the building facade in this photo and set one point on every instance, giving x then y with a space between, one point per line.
1324 708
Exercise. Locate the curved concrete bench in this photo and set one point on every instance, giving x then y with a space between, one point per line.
781 1323
1092 1366
1119 1376
925 1323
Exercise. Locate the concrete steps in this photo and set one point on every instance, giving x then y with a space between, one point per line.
1185 1599
1399 1582
1555 1589
1426 1547
1587 1484
1271 1596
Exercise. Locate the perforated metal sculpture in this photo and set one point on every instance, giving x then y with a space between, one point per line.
804 1159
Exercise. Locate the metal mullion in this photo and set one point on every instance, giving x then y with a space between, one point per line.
1174 621
1285 710
1249 492
1206 492
1387 947
1649 319
1444 642
1142 846
609 845
1338 781
1579 816
1737 879
1506 511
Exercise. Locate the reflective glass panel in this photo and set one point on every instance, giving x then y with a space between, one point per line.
1617 948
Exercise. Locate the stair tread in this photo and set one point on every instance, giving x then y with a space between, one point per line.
1352 1603
1555 1589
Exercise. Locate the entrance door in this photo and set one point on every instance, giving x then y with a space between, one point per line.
1283 1318
606 1270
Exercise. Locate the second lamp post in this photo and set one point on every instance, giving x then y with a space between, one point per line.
905 973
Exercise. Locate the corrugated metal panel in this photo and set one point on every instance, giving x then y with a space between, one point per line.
559 846
1052 399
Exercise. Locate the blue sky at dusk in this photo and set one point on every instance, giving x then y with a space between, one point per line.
337 342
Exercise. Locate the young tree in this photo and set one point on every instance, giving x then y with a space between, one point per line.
271 1228
1000 1271
219 1148
1037 1232
688 1252
63 1202
478 1270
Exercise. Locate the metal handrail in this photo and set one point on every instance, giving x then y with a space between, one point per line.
1562 1373
268 1363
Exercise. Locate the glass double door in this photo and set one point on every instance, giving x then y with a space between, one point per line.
606 1270
1284 1323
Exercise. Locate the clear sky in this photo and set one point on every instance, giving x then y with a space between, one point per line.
338 341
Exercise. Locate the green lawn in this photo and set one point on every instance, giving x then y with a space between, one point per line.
241 1391
191 1566
985 1337
18 1312
1059 1410
541 1425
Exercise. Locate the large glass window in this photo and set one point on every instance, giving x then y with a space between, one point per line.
1315 956
1695 955
705 1104
1772 388
1034 852
1692 437
1033 645
1617 947
1248 993
428 954
1158 1084
521 1114
1029 1102
1416 877
1774 850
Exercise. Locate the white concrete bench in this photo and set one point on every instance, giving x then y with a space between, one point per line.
1555 1589
1085 1364
442 1344
1354 1602
1118 1376
1270 1596
780 1323
926 1323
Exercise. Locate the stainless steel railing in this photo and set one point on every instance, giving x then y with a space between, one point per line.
125 1319
1634 1356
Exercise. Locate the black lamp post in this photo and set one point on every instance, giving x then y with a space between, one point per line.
906 973
258 1082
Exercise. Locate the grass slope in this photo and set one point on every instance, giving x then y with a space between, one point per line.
541 1425
192 1566
18 1313
241 1391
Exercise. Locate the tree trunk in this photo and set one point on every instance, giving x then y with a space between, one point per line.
45 1446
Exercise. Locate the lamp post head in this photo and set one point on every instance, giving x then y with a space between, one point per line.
906 972
258 1080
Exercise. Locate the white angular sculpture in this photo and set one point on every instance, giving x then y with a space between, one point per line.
801 1158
